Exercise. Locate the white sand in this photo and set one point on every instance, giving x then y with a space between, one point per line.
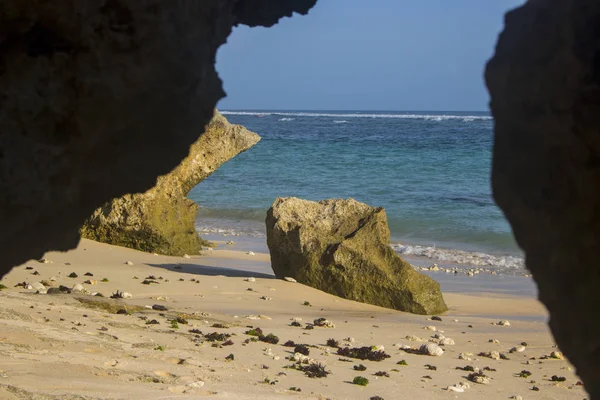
54 347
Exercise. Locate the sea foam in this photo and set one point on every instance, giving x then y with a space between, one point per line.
461 257
428 117
217 226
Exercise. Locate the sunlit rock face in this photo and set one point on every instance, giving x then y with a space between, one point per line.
162 219
342 247
97 99
544 81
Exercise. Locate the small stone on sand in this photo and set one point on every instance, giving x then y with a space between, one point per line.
459 387
431 349
78 287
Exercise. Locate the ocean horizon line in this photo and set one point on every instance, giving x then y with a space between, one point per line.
348 110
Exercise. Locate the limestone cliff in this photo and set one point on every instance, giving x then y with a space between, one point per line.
544 83
161 220
97 99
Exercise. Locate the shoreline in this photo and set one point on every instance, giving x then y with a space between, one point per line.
254 228
257 244
47 338
517 285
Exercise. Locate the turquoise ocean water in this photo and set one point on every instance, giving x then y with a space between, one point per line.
430 170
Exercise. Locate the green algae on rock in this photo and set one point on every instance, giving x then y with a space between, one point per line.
161 220
342 247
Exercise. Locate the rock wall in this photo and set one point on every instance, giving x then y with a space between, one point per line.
161 220
97 99
544 81
343 247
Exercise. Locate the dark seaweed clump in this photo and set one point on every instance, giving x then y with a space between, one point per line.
270 338
254 332
217 337
302 349
363 353
360 380
315 370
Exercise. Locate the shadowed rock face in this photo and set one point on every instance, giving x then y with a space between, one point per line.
342 247
544 82
162 219
97 99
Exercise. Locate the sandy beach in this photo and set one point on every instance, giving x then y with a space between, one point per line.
76 346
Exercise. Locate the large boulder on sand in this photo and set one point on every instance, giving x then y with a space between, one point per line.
161 220
342 247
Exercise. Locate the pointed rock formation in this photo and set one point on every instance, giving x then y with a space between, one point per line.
161 220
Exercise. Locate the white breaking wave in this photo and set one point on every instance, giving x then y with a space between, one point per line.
454 256
461 257
286 119
340 122
226 231
429 117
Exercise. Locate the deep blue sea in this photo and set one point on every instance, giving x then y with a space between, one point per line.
430 170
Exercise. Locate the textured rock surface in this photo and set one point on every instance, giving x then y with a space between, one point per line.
161 220
342 247
544 81
97 99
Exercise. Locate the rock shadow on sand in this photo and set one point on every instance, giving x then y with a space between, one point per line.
211 271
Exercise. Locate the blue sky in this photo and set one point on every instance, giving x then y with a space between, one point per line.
345 55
